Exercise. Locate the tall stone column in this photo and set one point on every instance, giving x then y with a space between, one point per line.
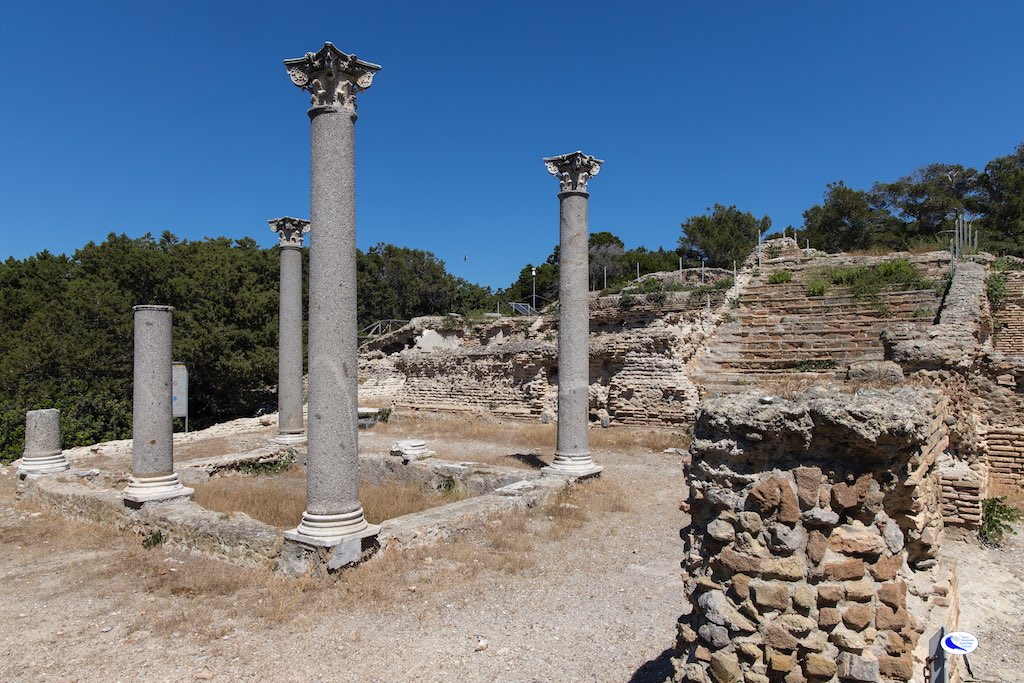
333 514
572 453
153 476
43 454
290 427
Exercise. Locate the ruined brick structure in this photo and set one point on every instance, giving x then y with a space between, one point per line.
812 554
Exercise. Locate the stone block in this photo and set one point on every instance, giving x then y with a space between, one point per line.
846 495
858 617
900 668
819 666
741 586
829 617
831 593
702 653
844 570
771 595
845 639
725 668
718 610
886 568
803 597
750 651
886 618
779 638
750 522
721 531
857 539
863 669
820 518
714 635
817 544
782 662
808 482
893 594
753 677
860 591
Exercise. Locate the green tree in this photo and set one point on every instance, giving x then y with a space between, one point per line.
1002 204
724 235
846 219
926 203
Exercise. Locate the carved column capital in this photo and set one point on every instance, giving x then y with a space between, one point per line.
332 78
290 230
573 170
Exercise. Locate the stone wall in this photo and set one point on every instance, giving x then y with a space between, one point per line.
509 367
813 550
1010 338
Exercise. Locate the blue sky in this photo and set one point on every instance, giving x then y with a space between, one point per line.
136 117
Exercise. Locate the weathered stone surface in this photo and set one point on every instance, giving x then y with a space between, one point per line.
725 668
787 568
750 651
884 371
829 617
900 668
846 639
782 662
860 591
819 666
893 535
795 623
846 495
803 597
750 522
741 586
771 595
831 593
886 618
717 609
775 494
893 594
886 568
817 544
721 531
754 677
785 540
857 668
844 570
858 617
856 539
820 518
779 638
808 481
714 635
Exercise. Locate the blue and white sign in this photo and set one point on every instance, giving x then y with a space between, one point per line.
960 643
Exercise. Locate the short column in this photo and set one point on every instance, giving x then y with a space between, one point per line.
153 476
572 452
43 454
290 427
333 515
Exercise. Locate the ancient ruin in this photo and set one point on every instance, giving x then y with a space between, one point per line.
291 428
334 514
43 453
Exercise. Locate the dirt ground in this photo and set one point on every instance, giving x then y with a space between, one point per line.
587 589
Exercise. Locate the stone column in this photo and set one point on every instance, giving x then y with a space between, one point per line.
290 427
572 453
153 475
43 454
333 514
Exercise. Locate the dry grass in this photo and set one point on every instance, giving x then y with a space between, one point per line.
526 439
280 499
1014 494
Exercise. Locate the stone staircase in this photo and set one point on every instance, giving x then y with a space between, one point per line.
778 331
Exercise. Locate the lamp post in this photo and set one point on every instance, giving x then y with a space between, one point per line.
534 289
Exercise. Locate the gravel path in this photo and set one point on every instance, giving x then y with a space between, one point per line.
596 604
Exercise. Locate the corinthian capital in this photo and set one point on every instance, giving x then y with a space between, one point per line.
331 77
573 170
290 230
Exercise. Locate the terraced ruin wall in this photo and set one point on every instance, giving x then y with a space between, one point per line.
812 553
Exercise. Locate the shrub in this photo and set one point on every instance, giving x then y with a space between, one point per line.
996 289
628 301
817 286
780 277
997 520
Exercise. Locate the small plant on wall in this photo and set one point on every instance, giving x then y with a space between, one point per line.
997 518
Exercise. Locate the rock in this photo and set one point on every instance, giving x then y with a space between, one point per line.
818 666
481 644
817 544
829 617
721 531
815 641
692 673
820 518
858 617
860 591
753 677
893 536
888 619
714 635
717 609
882 371
794 623
782 662
749 651
685 634
775 494
779 638
886 568
771 595
900 668
794 676
856 539
852 667
204 675
844 570
604 418
893 594
831 593
750 522
725 668
803 597
741 586
786 541
808 481
845 639
845 495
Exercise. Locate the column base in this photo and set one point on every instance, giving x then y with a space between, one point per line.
330 530
148 489
44 464
289 440
574 466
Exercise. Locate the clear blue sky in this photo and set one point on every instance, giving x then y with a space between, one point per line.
141 116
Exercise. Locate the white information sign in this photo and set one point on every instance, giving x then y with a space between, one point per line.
960 643
179 400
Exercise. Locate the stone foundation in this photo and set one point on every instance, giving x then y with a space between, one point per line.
813 550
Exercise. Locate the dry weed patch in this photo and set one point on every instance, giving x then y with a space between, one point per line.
280 499
1013 494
